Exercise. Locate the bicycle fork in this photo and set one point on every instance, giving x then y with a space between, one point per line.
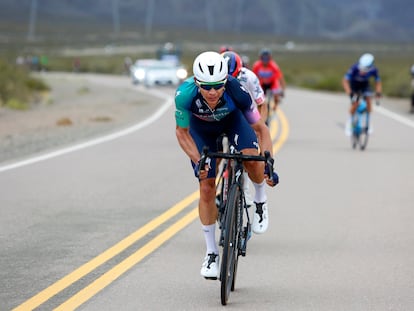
246 231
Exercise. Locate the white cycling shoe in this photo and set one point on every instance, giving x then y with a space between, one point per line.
260 218
210 266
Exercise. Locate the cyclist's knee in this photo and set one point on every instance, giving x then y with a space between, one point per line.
255 170
207 187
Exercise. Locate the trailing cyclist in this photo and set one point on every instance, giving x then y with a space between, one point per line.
270 76
251 83
356 82
207 105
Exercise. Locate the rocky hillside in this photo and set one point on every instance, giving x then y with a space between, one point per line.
333 19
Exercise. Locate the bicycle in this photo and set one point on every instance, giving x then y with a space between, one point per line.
271 105
235 230
360 125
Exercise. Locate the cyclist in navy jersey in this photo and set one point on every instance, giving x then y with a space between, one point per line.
209 104
357 82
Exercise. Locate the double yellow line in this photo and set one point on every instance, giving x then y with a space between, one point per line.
107 278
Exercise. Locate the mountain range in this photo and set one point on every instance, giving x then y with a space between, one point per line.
367 20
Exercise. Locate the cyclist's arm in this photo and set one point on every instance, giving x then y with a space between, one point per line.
278 75
187 143
346 85
346 80
263 111
283 83
263 135
378 88
183 99
252 84
378 84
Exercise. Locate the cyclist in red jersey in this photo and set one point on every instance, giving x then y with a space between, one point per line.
225 48
270 76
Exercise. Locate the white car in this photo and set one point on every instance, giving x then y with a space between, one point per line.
153 71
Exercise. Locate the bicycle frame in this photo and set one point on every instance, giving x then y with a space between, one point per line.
360 125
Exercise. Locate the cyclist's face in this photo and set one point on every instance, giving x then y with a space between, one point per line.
265 60
212 96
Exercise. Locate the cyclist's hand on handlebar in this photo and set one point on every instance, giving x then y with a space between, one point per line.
271 179
378 95
199 172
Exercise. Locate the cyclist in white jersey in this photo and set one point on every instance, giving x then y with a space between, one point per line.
250 82
247 79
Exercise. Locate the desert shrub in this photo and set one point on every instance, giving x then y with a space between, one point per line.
17 86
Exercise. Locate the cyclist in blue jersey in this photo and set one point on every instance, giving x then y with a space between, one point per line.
357 82
209 104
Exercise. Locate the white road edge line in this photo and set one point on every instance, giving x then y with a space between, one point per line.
394 116
96 141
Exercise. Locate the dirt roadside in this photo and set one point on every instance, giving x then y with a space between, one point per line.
78 107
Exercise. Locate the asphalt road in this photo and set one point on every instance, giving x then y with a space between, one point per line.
113 226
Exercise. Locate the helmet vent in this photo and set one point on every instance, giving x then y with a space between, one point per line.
211 69
201 69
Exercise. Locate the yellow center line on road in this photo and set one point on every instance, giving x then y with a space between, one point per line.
273 128
74 276
284 124
110 276
115 272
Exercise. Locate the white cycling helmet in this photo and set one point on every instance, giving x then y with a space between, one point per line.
210 67
366 61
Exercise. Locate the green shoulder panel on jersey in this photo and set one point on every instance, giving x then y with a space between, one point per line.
183 98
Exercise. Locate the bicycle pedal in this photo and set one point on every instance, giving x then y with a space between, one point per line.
210 278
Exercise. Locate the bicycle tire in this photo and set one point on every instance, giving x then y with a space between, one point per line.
363 139
359 136
239 234
230 256
221 198
354 140
356 131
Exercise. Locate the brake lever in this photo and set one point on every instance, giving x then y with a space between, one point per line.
269 164
203 158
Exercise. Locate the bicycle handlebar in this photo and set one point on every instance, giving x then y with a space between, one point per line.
238 156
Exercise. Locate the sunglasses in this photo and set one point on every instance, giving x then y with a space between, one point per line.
209 86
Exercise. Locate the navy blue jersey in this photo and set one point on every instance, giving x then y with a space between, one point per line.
189 103
354 74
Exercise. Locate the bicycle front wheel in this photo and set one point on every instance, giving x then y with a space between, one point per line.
354 140
230 253
363 138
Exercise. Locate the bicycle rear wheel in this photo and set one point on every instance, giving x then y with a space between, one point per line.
363 139
230 252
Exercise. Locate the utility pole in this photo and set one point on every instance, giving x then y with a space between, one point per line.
32 21
209 16
150 17
115 16
239 15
